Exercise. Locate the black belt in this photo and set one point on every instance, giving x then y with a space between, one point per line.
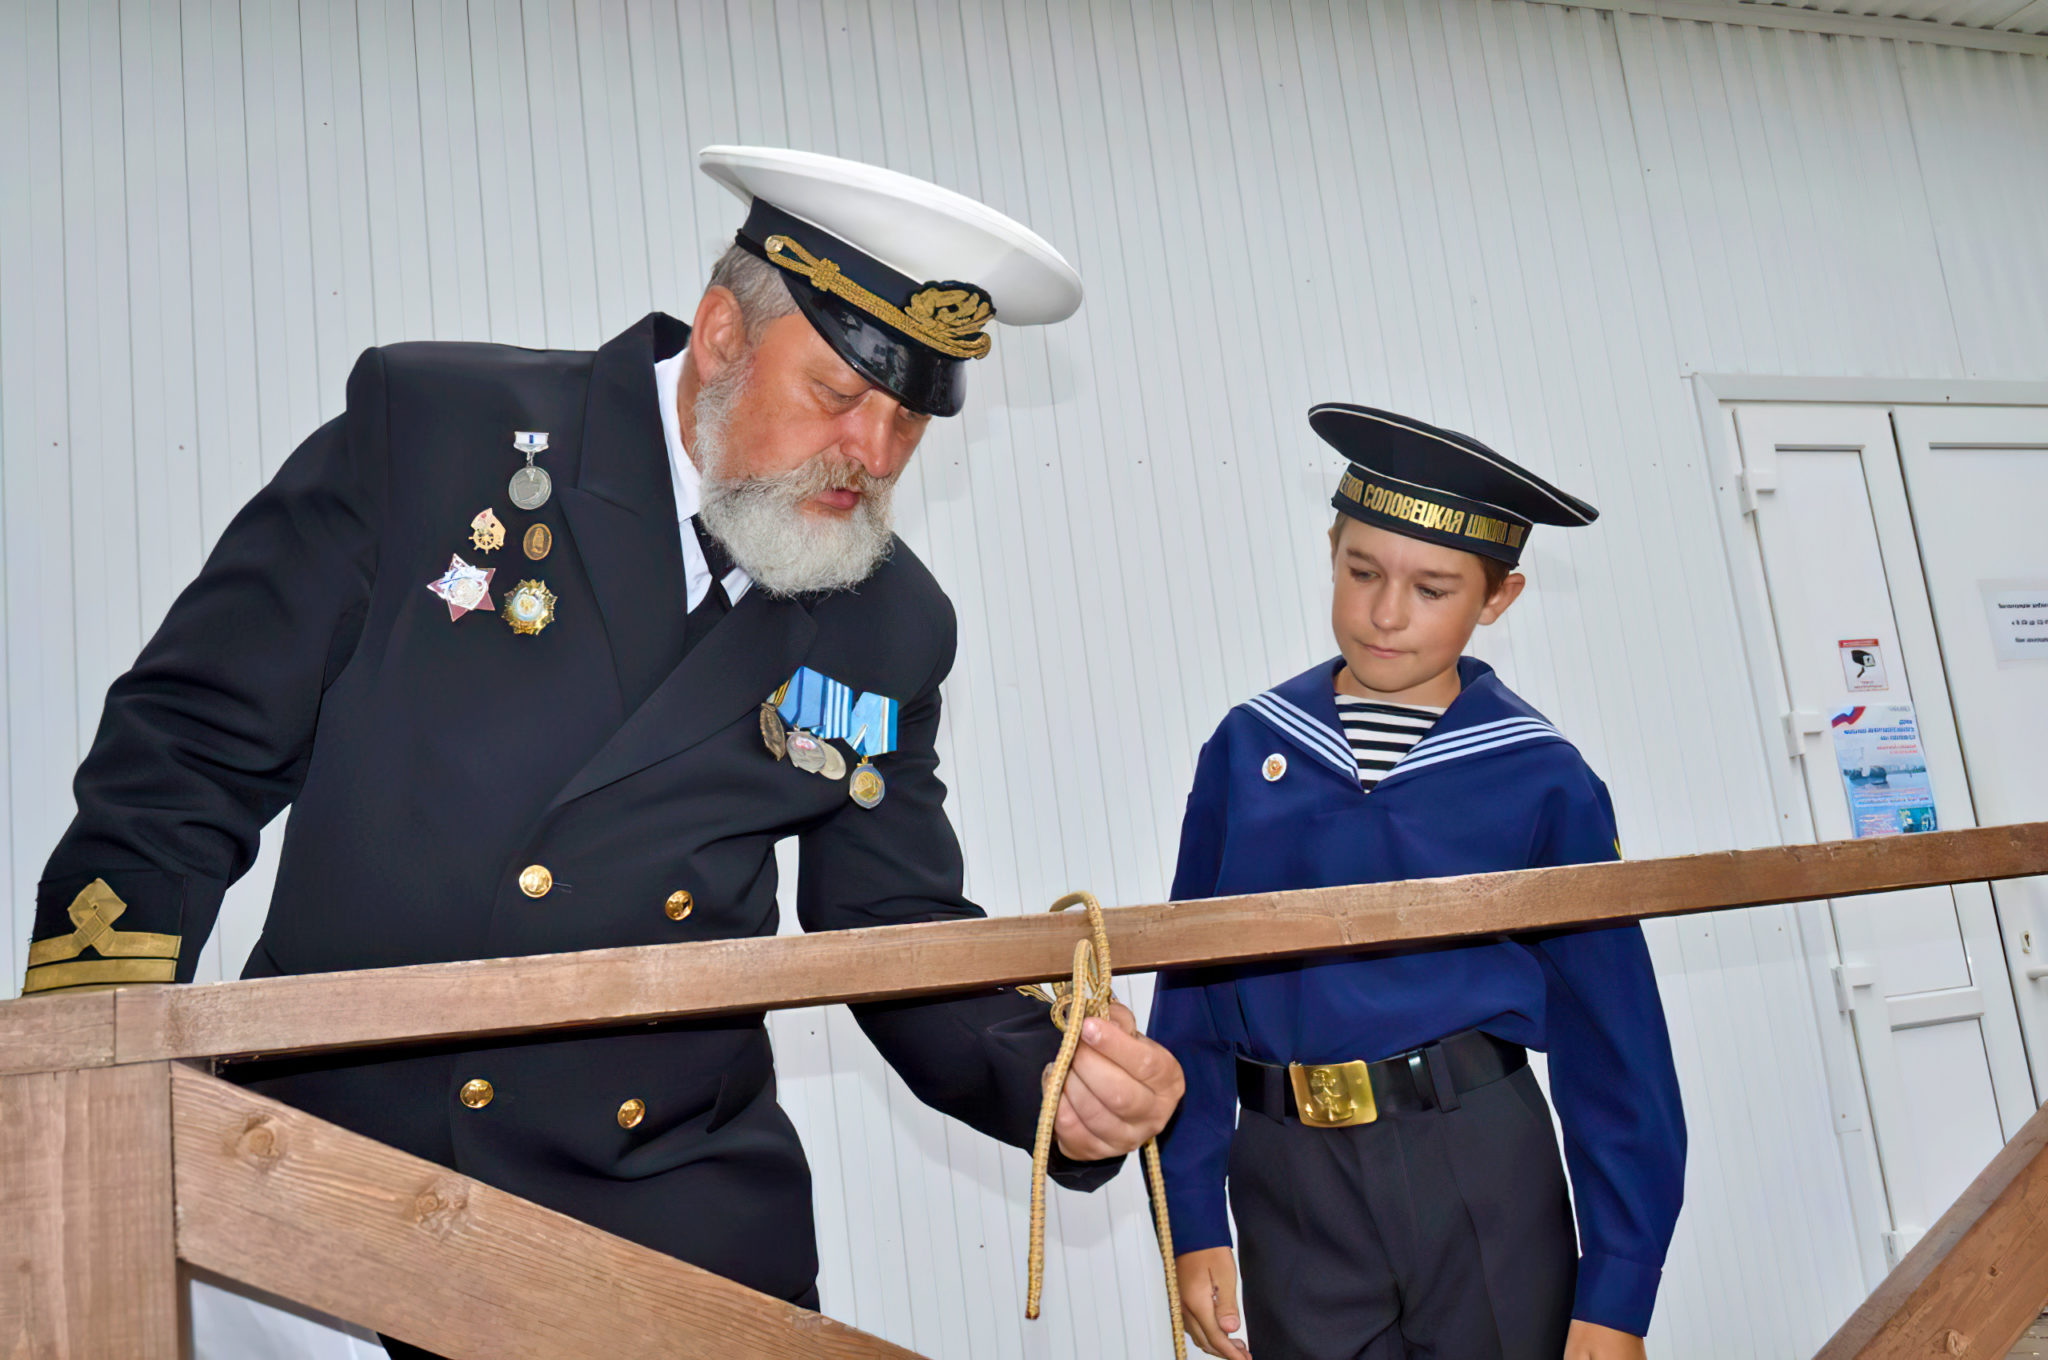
1338 1095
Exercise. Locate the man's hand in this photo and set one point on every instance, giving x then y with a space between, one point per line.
1591 1341
1120 1091
1208 1301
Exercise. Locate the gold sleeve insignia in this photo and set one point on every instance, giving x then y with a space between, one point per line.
124 955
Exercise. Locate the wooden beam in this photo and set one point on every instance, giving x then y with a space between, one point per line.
46 1033
1977 1280
306 1210
86 1264
656 982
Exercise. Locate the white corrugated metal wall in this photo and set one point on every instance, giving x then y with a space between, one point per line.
1523 220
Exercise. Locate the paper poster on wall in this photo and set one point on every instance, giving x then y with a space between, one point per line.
1862 664
2018 614
1884 770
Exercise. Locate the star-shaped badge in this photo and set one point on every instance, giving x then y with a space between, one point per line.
464 587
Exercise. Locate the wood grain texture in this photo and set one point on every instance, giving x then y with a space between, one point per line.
619 986
46 1033
304 1209
87 1270
1978 1278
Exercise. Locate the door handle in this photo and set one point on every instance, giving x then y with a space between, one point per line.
2037 972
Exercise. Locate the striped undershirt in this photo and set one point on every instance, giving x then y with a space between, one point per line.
1380 734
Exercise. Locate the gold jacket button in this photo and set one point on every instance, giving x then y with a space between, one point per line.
476 1093
631 1113
679 905
535 880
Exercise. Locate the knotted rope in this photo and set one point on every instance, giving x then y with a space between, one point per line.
1087 995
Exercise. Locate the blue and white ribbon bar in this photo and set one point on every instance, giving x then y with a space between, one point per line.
820 704
874 724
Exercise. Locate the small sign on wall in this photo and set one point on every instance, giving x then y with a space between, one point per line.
2018 614
1884 770
1862 664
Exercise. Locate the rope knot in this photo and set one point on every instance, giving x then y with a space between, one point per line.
1087 993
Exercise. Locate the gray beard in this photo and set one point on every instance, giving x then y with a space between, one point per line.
761 520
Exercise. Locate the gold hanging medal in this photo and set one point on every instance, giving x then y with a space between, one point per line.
774 735
867 787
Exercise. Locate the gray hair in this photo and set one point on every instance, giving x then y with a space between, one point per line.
759 286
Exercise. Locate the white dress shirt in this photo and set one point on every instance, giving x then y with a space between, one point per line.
668 380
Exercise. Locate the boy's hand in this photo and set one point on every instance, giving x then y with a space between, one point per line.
1591 1341
1120 1091
1208 1301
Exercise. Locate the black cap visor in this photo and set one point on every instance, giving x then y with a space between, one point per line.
920 378
915 374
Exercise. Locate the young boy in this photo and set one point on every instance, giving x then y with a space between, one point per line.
1393 1172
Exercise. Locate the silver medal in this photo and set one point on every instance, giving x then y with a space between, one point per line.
806 752
530 486
835 764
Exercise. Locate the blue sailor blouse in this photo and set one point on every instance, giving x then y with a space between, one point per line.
1493 786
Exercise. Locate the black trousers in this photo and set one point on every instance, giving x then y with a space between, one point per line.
1443 1234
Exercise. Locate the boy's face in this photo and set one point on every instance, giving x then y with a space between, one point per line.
1404 609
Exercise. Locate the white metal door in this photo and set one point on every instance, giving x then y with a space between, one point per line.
1921 974
1977 477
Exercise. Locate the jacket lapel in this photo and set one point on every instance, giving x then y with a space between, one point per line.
622 509
725 677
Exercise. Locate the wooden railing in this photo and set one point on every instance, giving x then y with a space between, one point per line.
122 1164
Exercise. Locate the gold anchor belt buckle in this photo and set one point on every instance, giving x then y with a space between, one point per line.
1332 1095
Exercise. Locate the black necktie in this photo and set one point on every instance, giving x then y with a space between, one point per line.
715 605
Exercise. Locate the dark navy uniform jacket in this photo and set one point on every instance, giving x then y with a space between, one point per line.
1493 786
428 762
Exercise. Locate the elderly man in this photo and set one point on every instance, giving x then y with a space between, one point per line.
547 651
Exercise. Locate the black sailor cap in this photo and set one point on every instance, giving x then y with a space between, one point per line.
1438 485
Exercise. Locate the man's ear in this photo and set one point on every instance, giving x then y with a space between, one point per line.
1498 602
718 335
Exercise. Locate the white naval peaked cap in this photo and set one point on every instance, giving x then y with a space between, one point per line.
914 227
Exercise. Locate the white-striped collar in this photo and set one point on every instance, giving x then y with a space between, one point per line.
1471 741
1305 730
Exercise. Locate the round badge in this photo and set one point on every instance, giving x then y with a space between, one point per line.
530 487
1275 766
